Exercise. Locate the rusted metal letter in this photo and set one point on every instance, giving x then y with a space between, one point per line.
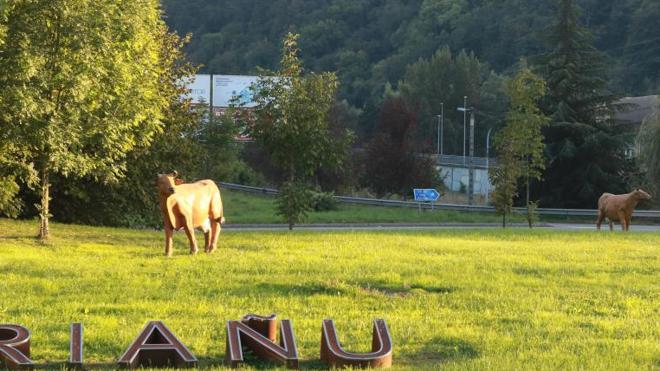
335 356
156 346
15 347
76 347
258 334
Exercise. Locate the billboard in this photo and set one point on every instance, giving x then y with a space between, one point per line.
199 89
225 87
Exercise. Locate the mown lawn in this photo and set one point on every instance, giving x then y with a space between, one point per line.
244 208
457 300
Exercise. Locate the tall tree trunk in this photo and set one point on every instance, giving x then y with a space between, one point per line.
44 232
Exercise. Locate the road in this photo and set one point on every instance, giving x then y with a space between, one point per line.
423 226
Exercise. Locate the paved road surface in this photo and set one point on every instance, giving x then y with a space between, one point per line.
423 226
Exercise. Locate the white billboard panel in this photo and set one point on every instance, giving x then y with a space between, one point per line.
225 87
199 89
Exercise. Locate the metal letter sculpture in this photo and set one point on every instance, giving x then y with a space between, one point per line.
76 347
15 347
258 334
156 346
335 356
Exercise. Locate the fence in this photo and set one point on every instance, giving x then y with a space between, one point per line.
411 204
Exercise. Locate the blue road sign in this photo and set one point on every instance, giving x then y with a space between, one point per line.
426 194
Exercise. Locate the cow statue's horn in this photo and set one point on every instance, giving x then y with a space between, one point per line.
175 173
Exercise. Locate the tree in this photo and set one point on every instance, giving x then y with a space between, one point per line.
393 163
131 202
642 51
447 79
585 155
290 122
648 141
81 86
520 143
505 175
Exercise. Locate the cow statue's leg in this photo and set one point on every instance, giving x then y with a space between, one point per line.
628 220
622 220
168 241
599 221
190 232
215 234
207 240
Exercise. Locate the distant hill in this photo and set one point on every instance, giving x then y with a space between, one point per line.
370 42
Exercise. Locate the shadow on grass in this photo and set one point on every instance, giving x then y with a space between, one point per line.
446 349
402 291
303 289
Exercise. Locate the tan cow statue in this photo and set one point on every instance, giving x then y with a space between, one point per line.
619 207
188 206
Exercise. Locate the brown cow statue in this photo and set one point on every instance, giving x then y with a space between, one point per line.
188 206
619 207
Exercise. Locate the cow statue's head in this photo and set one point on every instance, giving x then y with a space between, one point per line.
641 195
166 183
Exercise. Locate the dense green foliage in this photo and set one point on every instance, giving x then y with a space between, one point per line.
83 83
649 148
586 151
392 163
371 42
447 79
503 300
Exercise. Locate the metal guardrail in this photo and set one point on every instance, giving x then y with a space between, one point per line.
439 206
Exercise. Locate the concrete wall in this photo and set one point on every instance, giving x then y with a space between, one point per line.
454 176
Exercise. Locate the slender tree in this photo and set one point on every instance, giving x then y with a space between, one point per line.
525 121
290 122
585 155
519 145
505 175
80 86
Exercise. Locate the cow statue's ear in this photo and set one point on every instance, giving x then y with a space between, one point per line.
178 181
175 173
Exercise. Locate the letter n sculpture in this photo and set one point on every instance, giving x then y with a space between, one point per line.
335 356
156 346
15 347
258 334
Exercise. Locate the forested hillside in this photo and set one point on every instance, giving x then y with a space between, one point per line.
371 42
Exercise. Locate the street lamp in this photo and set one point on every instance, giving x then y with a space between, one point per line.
488 164
441 129
464 109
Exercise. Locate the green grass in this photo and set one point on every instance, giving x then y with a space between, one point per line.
475 300
243 208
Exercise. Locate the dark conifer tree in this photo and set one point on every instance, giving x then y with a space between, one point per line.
585 153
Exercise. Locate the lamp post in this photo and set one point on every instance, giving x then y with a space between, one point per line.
471 163
464 109
441 129
488 165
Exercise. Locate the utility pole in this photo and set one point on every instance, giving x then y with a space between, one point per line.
488 165
441 129
464 122
471 163
464 109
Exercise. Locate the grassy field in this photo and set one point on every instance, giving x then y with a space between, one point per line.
242 208
459 300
